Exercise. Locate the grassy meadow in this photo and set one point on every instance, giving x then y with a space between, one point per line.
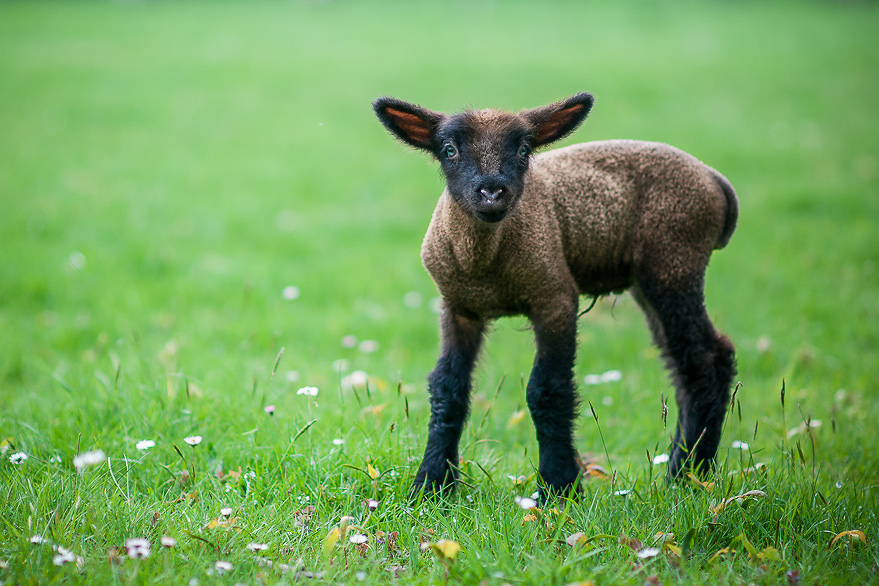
202 222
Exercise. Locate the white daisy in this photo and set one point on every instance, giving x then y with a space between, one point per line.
138 548
193 440
144 445
168 541
368 346
525 502
81 461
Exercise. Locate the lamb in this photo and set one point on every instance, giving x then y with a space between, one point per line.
519 233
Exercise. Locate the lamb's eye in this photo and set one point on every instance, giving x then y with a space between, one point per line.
524 150
450 151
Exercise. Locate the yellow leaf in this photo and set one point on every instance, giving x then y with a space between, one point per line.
448 548
221 523
576 539
673 548
706 485
720 552
596 471
855 537
445 549
528 518
516 418
331 540
373 473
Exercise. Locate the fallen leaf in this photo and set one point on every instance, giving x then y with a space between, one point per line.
594 470
706 485
720 552
528 519
854 537
576 539
741 498
631 543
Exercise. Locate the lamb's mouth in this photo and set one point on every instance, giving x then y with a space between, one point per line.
491 216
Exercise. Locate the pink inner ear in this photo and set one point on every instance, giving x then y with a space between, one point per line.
556 123
411 125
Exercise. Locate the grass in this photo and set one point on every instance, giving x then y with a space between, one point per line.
168 169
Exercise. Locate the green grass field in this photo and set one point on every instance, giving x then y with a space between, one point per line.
200 215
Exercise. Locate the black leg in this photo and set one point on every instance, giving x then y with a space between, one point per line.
449 386
552 397
702 364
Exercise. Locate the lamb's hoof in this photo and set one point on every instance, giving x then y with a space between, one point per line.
422 489
560 491
681 463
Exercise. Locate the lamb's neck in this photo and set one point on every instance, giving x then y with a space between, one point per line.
476 244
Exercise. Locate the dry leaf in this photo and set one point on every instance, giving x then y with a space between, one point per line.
576 539
720 552
751 494
631 543
854 537
706 485
594 470
528 519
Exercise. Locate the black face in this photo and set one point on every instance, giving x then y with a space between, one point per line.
484 157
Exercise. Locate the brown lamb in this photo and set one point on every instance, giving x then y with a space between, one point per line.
518 233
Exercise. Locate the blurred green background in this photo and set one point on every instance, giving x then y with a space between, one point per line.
168 169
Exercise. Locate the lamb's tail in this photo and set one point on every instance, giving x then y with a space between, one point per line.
732 210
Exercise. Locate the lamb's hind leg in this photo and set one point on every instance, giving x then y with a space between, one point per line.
702 364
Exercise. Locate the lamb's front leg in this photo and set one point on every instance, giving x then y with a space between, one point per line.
552 396
449 387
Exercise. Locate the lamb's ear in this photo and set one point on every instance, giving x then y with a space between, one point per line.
412 124
558 120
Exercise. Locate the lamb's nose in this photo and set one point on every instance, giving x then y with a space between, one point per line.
490 196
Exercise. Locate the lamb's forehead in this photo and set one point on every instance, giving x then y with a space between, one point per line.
476 124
